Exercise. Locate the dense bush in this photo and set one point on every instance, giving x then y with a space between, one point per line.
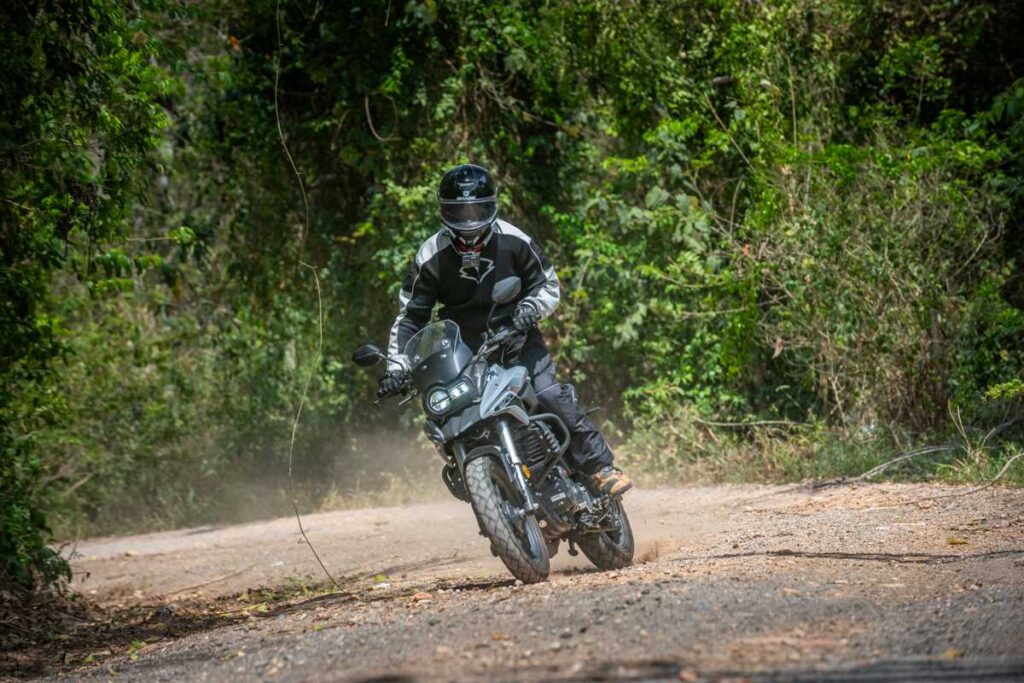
79 114
803 215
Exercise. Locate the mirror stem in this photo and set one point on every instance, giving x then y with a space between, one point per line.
489 315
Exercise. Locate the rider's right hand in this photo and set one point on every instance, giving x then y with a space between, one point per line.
391 383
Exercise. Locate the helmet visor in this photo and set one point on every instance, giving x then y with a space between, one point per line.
468 215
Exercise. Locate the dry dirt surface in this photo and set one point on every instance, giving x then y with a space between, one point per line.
881 582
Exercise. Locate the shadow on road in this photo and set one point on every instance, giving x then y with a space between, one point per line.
901 558
912 670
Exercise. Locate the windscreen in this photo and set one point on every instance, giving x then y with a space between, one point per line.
442 336
437 355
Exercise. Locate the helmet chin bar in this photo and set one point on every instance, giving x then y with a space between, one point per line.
469 245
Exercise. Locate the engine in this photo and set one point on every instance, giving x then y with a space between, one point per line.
561 494
562 498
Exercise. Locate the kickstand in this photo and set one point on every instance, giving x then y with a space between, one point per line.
572 548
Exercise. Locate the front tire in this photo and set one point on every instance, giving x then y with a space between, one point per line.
610 550
518 541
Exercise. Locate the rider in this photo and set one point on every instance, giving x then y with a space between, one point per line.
458 266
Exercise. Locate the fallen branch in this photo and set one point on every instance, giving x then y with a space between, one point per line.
197 586
987 484
752 423
878 469
998 428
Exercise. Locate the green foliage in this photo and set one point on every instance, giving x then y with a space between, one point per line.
79 113
795 213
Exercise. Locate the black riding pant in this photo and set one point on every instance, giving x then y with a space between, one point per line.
588 450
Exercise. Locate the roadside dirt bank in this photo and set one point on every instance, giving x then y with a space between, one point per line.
766 583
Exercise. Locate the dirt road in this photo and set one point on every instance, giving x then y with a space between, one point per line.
776 583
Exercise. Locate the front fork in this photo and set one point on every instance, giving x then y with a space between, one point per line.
509 444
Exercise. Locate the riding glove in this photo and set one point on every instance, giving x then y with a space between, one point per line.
526 316
390 383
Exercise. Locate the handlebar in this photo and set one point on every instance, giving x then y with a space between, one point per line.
500 336
404 391
492 340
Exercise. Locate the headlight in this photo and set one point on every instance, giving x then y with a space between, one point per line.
439 401
458 390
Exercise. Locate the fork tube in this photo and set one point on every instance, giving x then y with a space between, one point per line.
505 434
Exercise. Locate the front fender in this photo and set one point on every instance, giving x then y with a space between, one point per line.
489 450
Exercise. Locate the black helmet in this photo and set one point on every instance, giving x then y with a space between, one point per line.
468 202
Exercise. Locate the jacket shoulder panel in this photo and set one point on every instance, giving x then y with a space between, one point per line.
506 228
433 245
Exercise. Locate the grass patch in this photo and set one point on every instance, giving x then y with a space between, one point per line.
694 451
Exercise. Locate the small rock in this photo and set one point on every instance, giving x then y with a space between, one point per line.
555 646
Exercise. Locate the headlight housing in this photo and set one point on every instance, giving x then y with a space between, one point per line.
442 399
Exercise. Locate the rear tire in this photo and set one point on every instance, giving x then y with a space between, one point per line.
519 543
610 549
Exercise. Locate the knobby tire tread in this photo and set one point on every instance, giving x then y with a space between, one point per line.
605 554
487 504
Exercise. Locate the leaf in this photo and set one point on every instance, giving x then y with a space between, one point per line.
183 235
956 540
656 196
777 351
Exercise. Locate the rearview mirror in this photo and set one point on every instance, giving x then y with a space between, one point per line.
367 355
505 291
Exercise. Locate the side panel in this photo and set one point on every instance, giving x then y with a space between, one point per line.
503 382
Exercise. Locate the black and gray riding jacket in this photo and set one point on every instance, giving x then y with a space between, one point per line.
437 275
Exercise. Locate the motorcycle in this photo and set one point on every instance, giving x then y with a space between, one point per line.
503 456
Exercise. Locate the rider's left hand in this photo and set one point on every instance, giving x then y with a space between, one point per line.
526 316
391 383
